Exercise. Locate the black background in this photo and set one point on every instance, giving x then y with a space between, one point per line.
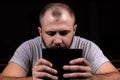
97 21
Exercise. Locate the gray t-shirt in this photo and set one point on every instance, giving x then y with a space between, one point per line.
30 51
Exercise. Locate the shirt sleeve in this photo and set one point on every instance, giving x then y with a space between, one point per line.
22 56
95 56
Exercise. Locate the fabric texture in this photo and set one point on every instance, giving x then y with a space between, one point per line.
30 51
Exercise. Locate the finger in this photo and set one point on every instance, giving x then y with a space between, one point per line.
44 75
78 75
44 68
82 61
77 68
42 61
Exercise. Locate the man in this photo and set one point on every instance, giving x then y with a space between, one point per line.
58 31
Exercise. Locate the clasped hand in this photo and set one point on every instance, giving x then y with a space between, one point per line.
80 69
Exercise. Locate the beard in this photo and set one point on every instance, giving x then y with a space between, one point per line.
60 46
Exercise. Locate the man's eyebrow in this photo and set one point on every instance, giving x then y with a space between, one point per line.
60 31
50 31
64 31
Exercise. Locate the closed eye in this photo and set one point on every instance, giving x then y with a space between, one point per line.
51 33
63 33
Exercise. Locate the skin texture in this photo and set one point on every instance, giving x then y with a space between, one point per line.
57 31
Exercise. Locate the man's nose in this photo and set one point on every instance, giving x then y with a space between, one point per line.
57 39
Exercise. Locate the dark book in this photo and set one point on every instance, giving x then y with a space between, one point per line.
61 57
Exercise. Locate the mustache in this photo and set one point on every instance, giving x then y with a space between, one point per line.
58 47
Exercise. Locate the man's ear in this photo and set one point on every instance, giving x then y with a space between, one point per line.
74 28
39 29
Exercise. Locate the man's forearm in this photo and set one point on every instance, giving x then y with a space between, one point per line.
107 76
15 78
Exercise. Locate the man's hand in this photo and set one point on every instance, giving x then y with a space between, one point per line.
80 69
43 70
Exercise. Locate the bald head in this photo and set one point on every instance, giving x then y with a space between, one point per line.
56 13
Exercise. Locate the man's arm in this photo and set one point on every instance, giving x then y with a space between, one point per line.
15 78
106 72
41 70
82 70
14 72
107 76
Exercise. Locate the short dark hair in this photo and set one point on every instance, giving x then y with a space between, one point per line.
56 13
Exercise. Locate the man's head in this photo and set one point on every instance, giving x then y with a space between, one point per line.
57 25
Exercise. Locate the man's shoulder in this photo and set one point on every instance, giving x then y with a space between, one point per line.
84 41
80 42
33 41
81 39
37 38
